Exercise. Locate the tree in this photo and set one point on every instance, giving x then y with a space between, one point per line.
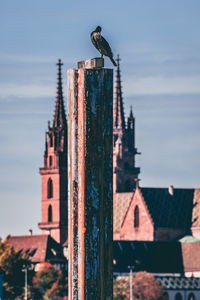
120 286
145 287
49 283
11 266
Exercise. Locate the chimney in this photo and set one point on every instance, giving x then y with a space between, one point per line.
171 190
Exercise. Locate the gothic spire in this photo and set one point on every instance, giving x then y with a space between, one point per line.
119 120
59 115
131 113
131 119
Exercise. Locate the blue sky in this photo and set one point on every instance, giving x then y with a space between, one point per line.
159 45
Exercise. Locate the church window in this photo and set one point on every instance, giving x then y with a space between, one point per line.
136 217
51 140
178 296
191 296
50 188
50 213
50 161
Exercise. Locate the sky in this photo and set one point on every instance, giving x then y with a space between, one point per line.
159 45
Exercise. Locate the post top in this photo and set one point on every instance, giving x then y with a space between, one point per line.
97 62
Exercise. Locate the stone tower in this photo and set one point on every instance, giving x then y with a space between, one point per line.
125 174
54 172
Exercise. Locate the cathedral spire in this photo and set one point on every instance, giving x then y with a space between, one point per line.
131 120
131 112
59 116
119 120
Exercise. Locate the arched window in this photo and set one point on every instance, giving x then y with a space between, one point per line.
178 296
191 296
50 160
51 140
136 217
50 213
50 188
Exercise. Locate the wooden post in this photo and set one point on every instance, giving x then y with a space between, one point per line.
90 172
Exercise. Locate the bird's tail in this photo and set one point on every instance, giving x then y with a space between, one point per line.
114 63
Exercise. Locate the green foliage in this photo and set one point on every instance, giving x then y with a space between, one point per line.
49 283
145 287
11 266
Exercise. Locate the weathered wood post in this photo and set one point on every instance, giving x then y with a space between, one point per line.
90 171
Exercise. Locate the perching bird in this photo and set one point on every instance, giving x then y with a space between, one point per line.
101 44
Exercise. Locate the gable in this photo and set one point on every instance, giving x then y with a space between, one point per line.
137 223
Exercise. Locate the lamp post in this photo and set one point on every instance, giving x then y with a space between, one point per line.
25 269
131 281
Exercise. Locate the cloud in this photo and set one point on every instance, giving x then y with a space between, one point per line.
157 85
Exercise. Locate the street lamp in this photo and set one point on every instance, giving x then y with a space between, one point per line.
131 281
25 269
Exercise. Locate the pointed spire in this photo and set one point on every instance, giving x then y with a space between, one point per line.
119 120
131 119
131 113
59 116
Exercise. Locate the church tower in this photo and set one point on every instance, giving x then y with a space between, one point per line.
54 172
125 174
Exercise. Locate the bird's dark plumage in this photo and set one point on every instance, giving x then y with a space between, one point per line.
101 44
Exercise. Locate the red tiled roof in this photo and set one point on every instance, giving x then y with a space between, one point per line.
33 244
40 248
196 209
121 203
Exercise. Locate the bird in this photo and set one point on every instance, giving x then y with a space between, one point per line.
101 44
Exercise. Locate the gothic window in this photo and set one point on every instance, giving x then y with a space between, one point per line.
50 161
50 213
178 296
51 140
50 188
136 217
191 296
